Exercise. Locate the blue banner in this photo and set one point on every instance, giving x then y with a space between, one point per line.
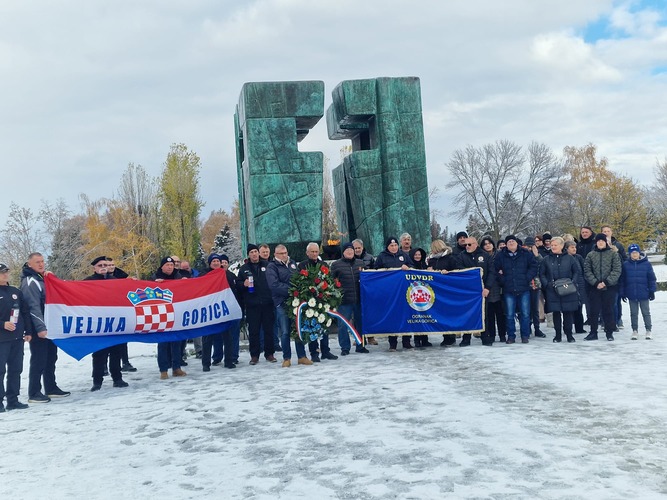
422 302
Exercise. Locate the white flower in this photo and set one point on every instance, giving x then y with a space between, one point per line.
319 305
295 302
321 318
327 307
295 310
329 323
309 313
312 302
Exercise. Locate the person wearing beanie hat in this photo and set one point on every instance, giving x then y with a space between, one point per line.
16 328
516 268
392 257
213 256
637 287
460 246
347 270
260 312
529 241
169 354
346 246
602 270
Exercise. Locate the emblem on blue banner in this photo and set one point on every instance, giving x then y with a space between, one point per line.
420 296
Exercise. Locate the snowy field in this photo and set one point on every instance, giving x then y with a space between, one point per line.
585 420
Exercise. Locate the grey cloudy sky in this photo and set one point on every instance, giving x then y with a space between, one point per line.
89 86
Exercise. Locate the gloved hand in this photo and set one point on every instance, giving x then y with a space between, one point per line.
651 295
624 299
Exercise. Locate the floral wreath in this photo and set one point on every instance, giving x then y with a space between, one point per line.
314 292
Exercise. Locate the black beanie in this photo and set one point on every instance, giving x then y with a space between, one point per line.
601 237
165 260
546 236
347 245
252 246
461 234
390 240
511 237
212 257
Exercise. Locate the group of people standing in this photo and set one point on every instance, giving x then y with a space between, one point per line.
559 276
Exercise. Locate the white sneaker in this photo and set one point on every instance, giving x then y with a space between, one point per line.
635 334
648 336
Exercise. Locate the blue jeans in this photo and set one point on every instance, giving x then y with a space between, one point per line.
348 310
283 329
169 355
523 300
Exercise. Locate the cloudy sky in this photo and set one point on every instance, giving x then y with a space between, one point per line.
88 87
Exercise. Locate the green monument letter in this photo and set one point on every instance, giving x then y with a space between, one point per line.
381 187
280 188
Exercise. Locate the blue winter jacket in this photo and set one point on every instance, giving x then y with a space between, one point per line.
517 270
638 279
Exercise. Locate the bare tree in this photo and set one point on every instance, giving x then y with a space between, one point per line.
21 235
503 186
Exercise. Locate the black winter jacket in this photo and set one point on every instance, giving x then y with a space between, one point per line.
348 271
34 293
11 298
387 260
554 267
479 258
262 293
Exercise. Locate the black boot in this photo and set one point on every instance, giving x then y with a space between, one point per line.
465 341
558 337
418 341
591 336
405 340
570 338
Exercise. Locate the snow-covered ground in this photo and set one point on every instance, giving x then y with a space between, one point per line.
585 420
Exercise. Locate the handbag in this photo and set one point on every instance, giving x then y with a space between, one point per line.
564 287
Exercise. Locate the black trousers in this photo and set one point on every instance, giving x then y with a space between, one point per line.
258 317
563 322
11 363
114 354
43 357
535 309
495 314
602 301
578 320
124 358
227 347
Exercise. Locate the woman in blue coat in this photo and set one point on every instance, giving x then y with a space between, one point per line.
638 286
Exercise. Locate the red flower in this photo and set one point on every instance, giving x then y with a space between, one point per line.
296 293
319 295
324 285
337 283
303 272
325 270
317 281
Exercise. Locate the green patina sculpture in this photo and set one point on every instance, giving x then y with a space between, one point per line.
280 188
381 187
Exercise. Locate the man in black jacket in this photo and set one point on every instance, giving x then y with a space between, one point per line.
347 270
114 353
15 329
278 275
313 259
251 283
476 257
43 352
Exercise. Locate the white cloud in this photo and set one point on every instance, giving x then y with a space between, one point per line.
89 87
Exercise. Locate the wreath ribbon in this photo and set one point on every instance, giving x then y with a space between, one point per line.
357 337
